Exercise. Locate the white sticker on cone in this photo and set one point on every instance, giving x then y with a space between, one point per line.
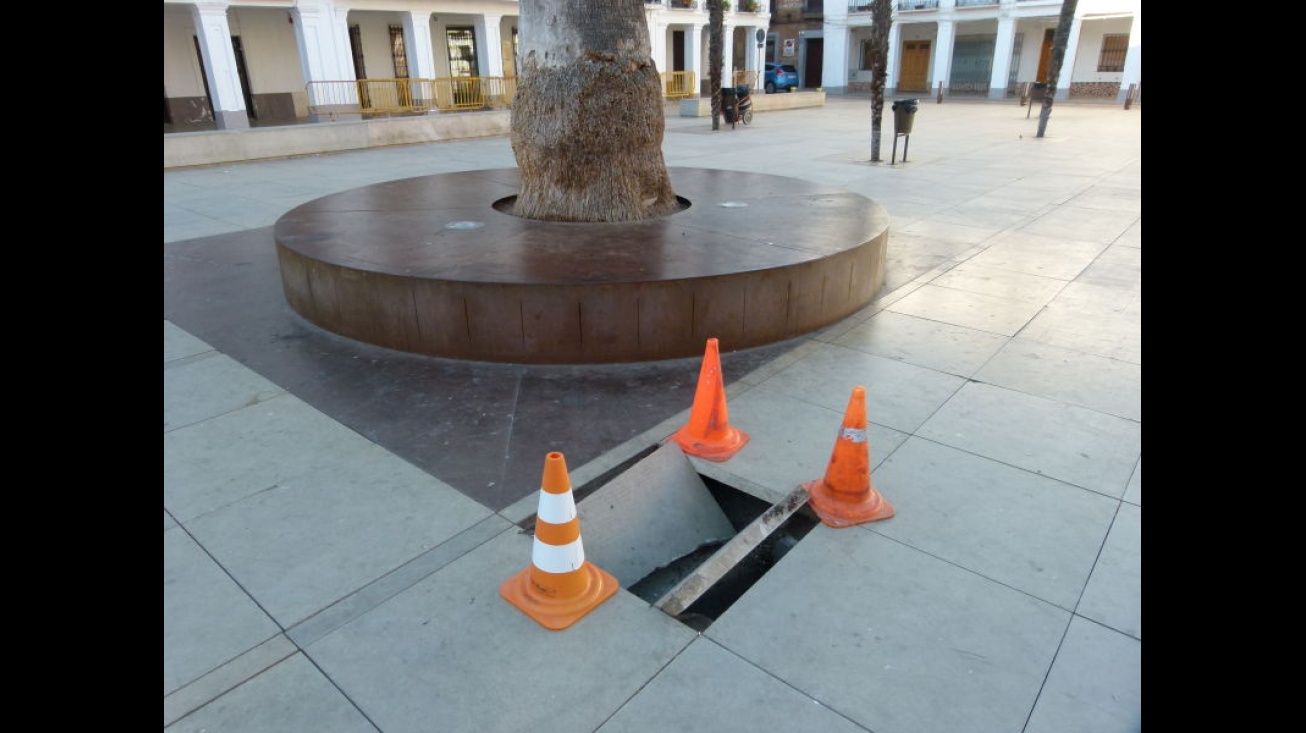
855 435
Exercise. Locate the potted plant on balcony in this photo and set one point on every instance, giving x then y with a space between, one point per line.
751 6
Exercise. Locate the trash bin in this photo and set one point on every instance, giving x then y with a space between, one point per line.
904 111
728 100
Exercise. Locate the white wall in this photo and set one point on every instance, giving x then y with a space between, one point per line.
181 66
271 49
375 31
1090 48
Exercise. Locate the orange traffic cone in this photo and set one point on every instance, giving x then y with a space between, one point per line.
845 497
560 586
708 434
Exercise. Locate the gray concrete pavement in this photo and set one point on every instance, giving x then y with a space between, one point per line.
316 581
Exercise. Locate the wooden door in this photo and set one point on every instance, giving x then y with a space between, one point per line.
1045 56
813 62
914 74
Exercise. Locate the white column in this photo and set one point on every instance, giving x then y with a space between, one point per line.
489 37
417 45
727 54
1068 61
1002 48
694 55
327 66
317 43
943 55
835 68
1134 57
891 66
344 50
214 35
657 36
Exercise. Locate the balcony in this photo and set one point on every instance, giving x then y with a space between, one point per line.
908 5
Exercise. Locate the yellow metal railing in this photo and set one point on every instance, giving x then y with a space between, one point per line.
679 84
379 97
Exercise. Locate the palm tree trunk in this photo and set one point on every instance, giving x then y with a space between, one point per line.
588 116
881 19
1059 41
715 57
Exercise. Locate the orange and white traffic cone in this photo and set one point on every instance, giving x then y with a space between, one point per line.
560 586
845 496
708 434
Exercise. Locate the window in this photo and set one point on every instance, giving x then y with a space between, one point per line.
1114 46
461 41
397 51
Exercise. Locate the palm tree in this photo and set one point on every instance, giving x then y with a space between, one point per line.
1059 40
881 20
588 118
715 57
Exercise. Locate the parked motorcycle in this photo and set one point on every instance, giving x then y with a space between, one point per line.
737 104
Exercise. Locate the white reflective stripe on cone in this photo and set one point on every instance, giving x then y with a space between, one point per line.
556 508
558 558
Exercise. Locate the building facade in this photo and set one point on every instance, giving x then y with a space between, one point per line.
986 48
230 63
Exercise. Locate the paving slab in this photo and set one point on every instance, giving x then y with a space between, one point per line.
1027 531
207 618
651 514
450 649
210 384
1134 492
1093 224
291 697
179 343
311 539
1114 594
979 311
899 396
225 459
942 347
1095 686
706 688
1091 319
1066 442
883 634
1021 250
1110 386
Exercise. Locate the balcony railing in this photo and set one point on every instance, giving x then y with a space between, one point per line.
385 97
679 84
906 5
976 3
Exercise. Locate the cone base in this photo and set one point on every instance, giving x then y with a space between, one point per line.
839 510
718 450
558 613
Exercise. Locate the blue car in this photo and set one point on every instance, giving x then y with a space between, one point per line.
780 77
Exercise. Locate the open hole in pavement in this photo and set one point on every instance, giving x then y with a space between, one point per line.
689 544
698 587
